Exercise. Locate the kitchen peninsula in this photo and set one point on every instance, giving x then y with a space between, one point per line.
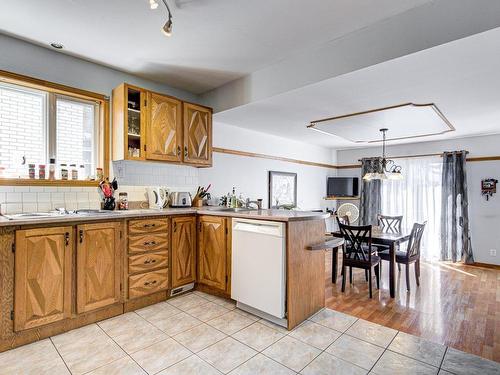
62 272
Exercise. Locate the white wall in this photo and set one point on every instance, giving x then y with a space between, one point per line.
484 215
250 175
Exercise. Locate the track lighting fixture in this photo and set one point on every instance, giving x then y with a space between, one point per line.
167 28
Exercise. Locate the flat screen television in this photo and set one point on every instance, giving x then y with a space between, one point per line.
342 187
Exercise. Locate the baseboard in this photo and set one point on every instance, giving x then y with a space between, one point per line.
485 265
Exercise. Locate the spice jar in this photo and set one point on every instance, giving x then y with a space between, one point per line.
41 171
74 172
52 169
123 201
99 174
31 171
64 172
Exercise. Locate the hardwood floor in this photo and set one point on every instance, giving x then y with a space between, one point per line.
455 305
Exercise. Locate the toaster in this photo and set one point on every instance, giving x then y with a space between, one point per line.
180 199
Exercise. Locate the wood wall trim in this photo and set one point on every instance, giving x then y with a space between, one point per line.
484 158
272 157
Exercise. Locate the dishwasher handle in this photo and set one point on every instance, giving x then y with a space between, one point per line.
271 229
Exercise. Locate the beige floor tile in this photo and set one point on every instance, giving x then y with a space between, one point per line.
209 297
326 364
36 358
207 311
333 319
177 324
247 314
292 353
261 365
224 302
227 354
187 301
132 332
161 355
230 323
87 348
274 326
372 333
417 348
191 366
356 351
124 366
461 363
158 311
199 337
258 336
393 363
315 334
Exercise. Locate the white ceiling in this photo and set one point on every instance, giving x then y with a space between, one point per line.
462 78
214 41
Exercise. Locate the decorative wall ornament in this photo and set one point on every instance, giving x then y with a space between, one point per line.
282 190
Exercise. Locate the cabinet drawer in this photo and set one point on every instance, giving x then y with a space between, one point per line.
145 226
147 283
147 262
148 242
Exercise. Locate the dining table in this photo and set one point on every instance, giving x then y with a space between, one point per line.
390 238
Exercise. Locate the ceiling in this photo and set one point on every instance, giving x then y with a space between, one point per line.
214 41
462 78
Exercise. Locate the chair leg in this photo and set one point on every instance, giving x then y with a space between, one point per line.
350 275
399 267
417 271
343 278
377 275
366 275
407 269
370 281
334 266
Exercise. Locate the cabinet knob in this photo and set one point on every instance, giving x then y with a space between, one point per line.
66 238
81 235
185 151
178 150
147 283
149 243
149 225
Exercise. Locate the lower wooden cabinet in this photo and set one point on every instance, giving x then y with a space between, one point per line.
213 258
98 265
183 250
42 293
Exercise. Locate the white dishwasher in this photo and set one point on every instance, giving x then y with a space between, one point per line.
258 274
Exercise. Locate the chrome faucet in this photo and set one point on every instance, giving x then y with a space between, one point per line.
258 203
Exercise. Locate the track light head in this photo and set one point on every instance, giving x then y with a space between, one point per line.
167 29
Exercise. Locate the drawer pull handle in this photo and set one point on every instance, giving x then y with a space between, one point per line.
149 243
149 225
148 261
147 283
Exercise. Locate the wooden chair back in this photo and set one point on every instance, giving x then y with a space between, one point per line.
343 219
358 242
390 223
415 240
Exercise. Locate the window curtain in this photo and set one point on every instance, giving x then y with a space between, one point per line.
417 198
370 202
455 238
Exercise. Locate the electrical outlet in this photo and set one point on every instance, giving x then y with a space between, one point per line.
493 252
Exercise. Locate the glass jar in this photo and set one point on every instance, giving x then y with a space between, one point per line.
64 172
52 169
123 201
99 174
41 171
74 171
31 171
81 172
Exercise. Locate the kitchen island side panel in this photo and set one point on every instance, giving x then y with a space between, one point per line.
305 270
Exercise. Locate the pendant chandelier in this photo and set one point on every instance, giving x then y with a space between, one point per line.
382 168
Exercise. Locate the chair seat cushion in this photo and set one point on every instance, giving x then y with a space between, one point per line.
352 261
400 255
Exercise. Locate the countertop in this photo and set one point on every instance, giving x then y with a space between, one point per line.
267 214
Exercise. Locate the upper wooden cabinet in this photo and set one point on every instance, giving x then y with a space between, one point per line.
151 126
197 134
164 130
183 250
98 265
42 276
213 257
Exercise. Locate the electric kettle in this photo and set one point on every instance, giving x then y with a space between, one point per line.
157 196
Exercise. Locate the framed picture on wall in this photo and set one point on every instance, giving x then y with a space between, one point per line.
282 189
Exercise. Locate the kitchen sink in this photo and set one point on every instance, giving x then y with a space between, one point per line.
232 209
33 215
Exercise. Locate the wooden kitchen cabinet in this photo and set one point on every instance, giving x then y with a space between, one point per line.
213 257
98 265
183 250
164 129
42 291
197 134
152 126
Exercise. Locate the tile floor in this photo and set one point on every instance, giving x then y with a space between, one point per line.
201 334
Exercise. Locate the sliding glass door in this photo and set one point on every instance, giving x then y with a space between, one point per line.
418 199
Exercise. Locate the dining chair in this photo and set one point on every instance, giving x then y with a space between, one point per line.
357 253
389 224
411 255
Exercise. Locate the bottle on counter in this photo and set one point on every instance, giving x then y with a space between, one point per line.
99 174
31 171
233 198
81 172
74 171
52 169
64 171
41 171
